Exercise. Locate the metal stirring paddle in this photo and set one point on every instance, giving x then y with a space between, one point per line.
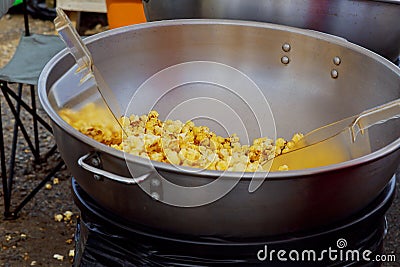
85 62
347 136
334 143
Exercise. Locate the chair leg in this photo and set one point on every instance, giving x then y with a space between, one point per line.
11 165
37 188
7 180
50 152
35 117
17 118
35 125
6 195
28 109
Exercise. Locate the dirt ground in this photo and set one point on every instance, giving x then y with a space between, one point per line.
35 237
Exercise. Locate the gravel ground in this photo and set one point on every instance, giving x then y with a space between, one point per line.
35 237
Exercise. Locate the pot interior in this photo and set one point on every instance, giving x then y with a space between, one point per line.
253 79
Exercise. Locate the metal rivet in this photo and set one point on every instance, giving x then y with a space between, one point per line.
155 182
155 195
334 74
95 162
286 47
337 61
97 177
285 60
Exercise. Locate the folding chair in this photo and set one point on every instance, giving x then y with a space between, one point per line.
32 53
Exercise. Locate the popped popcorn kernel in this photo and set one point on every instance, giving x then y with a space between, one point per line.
58 217
283 168
58 257
175 142
67 215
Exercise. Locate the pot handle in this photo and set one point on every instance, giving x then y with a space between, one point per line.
99 173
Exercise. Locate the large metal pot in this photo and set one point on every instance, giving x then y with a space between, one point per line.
303 91
369 23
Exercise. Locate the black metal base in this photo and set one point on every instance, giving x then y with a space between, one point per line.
105 240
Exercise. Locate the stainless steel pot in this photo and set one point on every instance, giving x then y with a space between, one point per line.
309 79
372 24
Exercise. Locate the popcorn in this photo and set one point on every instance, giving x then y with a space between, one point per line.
175 142
283 168
58 257
95 122
67 215
280 142
58 217
296 138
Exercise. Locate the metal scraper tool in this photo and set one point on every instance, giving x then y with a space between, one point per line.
85 62
334 143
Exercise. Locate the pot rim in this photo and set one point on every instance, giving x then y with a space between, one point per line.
396 2
43 96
